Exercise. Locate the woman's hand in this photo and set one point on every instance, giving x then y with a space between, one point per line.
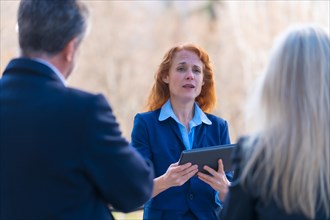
176 175
217 180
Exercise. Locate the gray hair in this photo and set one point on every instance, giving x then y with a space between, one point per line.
46 26
291 117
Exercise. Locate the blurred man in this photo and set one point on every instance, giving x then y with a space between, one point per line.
62 155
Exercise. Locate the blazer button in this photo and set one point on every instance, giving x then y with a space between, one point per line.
191 196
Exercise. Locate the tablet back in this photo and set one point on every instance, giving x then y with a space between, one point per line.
209 156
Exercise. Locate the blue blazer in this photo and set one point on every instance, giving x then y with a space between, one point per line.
62 153
161 142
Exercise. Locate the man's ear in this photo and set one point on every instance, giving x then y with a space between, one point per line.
69 50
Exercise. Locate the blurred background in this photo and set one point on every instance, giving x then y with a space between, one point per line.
128 39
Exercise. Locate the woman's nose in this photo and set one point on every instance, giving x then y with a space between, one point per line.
189 74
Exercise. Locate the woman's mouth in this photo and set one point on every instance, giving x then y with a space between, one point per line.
190 86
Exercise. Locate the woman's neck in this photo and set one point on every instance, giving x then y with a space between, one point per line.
183 111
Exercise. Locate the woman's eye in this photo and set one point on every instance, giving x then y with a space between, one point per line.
180 69
197 71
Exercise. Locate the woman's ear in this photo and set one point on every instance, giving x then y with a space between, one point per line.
165 79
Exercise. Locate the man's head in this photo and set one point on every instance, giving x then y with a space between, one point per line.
46 27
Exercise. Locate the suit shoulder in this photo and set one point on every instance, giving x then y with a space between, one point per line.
216 119
148 115
72 98
77 93
82 95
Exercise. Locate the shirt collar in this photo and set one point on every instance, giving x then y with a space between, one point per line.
55 70
199 116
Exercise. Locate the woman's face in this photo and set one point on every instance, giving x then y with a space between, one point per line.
185 78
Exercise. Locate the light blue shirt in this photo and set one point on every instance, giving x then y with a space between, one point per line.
199 118
56 71
188 138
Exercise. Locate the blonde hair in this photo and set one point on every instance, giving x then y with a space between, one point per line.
290 161
160 93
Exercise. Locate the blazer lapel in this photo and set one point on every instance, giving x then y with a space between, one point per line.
200 139
175 129
200 136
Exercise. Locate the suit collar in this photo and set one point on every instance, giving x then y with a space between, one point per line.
27 66
55 70
166 114
200 133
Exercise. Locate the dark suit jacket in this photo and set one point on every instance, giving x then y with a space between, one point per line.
62 153
244 203
161 142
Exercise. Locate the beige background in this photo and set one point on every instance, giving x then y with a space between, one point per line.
128 39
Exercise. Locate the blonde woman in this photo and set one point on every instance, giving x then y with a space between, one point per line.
283 168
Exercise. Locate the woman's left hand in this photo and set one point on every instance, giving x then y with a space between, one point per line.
217 180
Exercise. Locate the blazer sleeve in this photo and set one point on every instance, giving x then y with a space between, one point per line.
224 133
140 137
117 170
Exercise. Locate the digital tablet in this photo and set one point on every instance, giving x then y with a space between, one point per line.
209 156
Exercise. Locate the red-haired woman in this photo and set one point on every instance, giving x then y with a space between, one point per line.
178 118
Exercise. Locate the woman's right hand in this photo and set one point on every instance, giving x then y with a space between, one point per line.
176 175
